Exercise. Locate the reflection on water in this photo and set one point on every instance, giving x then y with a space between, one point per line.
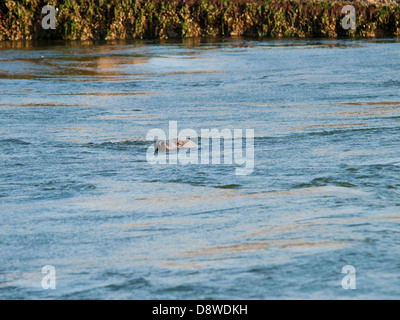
264 245
76 191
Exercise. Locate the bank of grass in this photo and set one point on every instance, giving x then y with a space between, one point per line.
158 19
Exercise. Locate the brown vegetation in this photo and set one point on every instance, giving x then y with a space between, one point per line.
152 19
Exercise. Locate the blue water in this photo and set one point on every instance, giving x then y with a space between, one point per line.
77 192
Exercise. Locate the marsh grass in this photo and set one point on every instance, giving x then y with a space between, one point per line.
157 19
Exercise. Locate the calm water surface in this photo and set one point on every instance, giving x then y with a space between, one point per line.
77 193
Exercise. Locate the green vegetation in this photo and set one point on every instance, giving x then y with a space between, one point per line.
157 19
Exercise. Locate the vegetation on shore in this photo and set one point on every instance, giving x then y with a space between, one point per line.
158 19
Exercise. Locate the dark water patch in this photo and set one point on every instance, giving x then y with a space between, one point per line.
129 285
383 175
358 225
176 181
324 181
180 289
197 183
8 76
265 138
40 105
393 186
369 240
108 173
14 142
185 181
64 145
59 189
264 271
228 186
204 84
381 168
64 185
118 145
346 131
390 83
110 94
11 292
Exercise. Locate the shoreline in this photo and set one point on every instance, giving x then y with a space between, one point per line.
157 19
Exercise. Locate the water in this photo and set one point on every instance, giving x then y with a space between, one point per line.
77 193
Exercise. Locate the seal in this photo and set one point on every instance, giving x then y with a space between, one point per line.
173 144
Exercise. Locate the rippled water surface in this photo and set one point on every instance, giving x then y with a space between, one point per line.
77 193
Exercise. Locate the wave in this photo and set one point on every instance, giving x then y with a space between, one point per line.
116 144
324 181
380 176
315 132
14 141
